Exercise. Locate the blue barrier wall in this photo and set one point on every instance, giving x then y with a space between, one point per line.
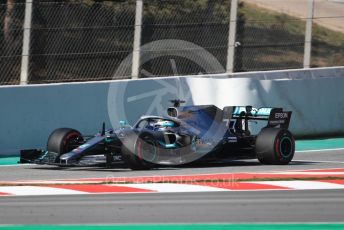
30 113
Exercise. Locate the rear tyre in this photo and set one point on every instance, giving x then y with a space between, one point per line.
62 140
140 153
275 146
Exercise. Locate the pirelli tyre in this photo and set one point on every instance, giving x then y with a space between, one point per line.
139 152
61 141
275 146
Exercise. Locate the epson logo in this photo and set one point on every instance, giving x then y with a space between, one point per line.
281 115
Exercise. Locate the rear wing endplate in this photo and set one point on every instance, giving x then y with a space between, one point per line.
278 117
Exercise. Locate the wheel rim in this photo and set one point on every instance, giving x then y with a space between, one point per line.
146 150
286 147
70 142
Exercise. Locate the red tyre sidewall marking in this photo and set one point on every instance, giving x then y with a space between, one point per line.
68 137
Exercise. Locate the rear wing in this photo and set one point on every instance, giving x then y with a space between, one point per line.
279 117
274 116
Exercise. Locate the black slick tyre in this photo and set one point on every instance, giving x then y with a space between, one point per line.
275 146
139 153
61 141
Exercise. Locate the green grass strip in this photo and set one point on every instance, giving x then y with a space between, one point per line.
8 160
332 143
304 226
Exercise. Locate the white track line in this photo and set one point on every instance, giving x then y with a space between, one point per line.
302 185
306 170
37 190
50 182
162 187
318 150
305 173
332 162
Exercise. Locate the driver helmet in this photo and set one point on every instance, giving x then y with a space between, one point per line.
165 123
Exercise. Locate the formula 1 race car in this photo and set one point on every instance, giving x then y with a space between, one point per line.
188 134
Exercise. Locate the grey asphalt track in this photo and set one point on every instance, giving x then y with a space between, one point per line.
210 207
302 160
218 207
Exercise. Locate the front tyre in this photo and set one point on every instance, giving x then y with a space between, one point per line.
140 154
62 140
275 146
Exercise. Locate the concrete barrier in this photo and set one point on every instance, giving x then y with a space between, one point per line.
30 113
317 104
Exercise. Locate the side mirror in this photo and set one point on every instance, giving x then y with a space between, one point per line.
172 112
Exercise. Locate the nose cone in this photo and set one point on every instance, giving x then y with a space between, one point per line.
68 158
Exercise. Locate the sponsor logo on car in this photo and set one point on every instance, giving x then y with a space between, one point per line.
281 115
